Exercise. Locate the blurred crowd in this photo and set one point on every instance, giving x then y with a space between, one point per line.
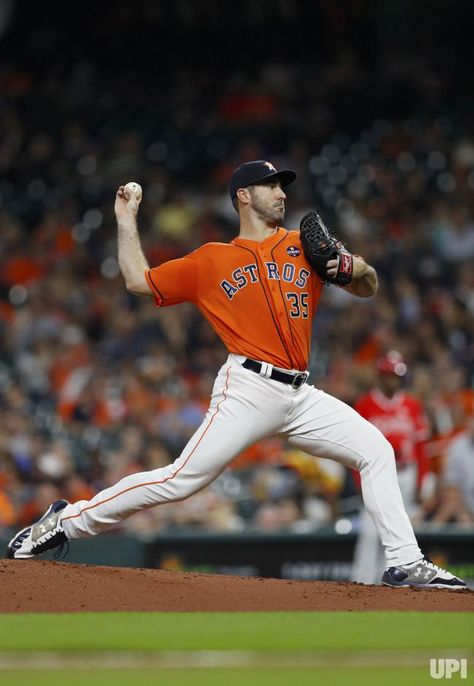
96 384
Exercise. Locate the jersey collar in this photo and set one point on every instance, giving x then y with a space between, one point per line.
388 403
270 240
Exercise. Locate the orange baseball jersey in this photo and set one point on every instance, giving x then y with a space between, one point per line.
260 297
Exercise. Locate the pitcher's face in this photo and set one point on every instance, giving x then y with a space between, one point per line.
268 200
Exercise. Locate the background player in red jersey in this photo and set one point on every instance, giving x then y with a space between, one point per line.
401 418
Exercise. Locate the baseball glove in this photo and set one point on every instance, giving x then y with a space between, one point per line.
320 245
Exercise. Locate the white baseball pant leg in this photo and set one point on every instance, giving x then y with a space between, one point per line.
326 427
369 561
244 408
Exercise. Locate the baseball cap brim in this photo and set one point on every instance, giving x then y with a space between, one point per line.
285 176
258 172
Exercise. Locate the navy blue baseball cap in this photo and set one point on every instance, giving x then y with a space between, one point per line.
258 172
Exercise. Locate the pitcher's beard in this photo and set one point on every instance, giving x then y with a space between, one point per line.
272 215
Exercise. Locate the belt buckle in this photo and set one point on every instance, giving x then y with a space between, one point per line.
299 379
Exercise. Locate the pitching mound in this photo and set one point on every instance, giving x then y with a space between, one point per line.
39 586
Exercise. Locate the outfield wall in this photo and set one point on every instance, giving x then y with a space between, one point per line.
322 555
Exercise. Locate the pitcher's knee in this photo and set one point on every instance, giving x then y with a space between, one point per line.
383 454
385 449
184 486
378 452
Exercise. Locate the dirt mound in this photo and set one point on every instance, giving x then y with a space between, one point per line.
39 586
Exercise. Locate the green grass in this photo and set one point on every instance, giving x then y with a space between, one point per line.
263 631
351 641
418 676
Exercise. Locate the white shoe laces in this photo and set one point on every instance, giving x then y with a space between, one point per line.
438 569
425 562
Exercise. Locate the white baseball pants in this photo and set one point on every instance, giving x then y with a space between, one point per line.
246 407
369 562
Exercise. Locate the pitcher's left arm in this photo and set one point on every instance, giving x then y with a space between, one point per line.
364 277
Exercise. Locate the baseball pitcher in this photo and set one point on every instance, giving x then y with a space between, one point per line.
260 293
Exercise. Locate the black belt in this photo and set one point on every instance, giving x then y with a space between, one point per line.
295 379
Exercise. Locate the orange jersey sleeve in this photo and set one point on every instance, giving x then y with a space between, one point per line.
174 282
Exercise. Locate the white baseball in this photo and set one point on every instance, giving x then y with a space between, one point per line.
133 187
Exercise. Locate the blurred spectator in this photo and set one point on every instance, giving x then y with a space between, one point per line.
321 486
457 495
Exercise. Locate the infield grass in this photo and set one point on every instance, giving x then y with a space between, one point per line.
231 649
260 631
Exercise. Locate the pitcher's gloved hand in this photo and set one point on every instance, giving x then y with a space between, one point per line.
320 246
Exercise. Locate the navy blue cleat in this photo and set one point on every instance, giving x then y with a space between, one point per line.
422 574
45 534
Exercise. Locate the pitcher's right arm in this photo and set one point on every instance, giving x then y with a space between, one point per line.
132 261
